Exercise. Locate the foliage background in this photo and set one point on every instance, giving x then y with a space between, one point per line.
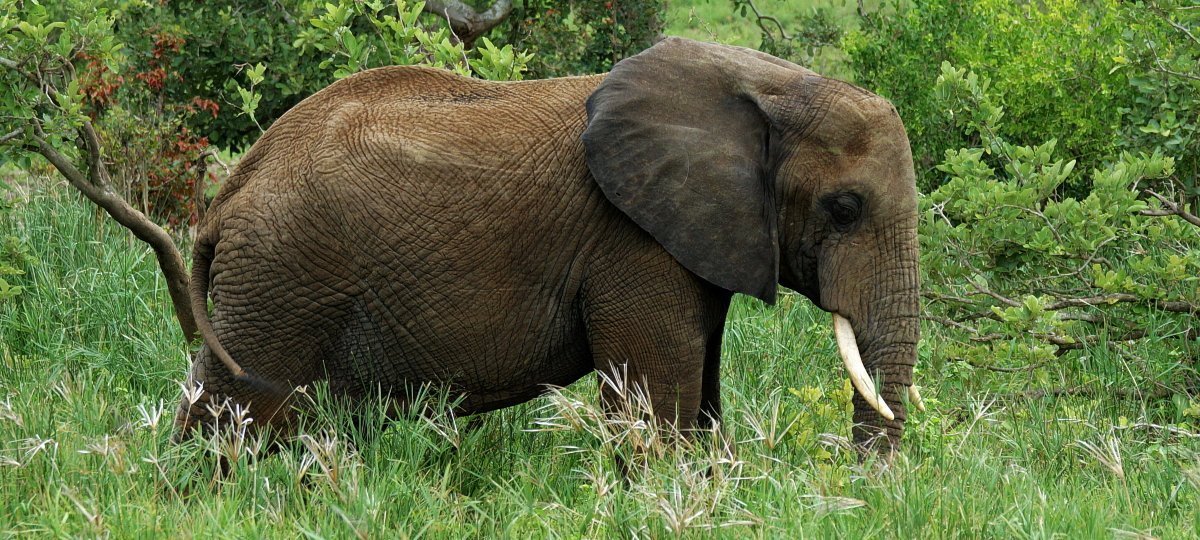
1056 146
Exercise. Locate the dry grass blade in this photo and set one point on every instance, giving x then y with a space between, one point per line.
1107 453
9 414
823 505
1131 535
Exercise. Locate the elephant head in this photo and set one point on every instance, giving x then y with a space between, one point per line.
753 172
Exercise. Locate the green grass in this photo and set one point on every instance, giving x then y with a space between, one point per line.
91 360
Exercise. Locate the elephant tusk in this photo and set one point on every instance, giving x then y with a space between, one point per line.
848 347
914 397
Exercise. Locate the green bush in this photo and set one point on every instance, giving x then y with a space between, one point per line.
583 37
158 82
1022 276
305 44
1051 63
1160 55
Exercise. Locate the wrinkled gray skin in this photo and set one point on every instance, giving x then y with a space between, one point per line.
406 225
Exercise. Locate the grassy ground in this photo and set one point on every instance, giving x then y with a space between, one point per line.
90 364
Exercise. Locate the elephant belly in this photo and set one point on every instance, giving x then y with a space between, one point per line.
481 351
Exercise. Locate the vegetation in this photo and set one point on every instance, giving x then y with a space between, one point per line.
89 377
1056 145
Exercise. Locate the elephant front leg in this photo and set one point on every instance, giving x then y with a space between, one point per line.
710 389
660 359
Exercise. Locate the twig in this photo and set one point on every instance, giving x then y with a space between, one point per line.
759 18
466 24
1006 301
287 17
1085 391
1065 343
939 297
11 135
1002 369
1173 306
1178 26
1038 214
1169 429
211 152
947 322
9 63
1172 208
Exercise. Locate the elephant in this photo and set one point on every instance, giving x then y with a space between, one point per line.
408 226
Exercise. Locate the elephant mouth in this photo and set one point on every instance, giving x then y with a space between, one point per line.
859 377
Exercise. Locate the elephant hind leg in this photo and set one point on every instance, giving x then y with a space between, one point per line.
213 400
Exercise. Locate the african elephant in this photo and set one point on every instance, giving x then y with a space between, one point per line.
406 225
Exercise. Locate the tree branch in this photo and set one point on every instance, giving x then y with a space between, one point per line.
1001 369
1167 17
466 23
1172 208
11 135
1093 301
1094 392
759 18
96 189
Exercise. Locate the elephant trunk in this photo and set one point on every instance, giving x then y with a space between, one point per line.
885 343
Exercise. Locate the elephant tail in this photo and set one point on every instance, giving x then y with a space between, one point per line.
202 257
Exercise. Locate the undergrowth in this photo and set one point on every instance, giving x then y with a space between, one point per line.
90 371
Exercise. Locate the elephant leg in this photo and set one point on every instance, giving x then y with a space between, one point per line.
214 400
657 344
710 389
646 359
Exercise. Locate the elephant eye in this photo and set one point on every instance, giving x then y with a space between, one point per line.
844 208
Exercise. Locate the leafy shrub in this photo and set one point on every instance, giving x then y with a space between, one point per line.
13 257
337 32
155 79
583 37
217 39
1161 52
391 40
1022 276
305 44
1051 63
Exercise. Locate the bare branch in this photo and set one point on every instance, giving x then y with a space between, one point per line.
1100 392
759 18
953 324
1171 430
1049 225
939 297
16 66
1171 208
10 64
11 135
1180 28
1115 298
1002 369
466 23
1003 300
1066 344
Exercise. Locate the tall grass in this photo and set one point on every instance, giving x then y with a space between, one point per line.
91 361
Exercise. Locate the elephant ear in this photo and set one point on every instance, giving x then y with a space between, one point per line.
677 140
